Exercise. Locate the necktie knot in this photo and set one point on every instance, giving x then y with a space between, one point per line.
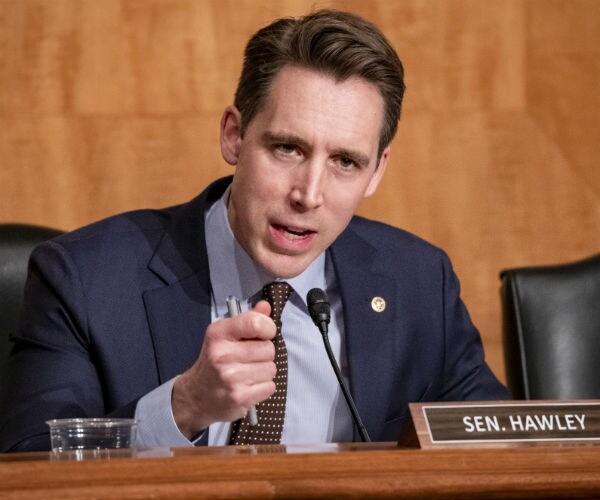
277 293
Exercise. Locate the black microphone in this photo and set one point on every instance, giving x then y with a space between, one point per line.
320 312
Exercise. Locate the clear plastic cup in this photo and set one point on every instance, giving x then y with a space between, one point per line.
92 433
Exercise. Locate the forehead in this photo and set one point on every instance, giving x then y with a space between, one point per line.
307 102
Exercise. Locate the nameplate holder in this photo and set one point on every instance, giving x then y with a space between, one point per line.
505 423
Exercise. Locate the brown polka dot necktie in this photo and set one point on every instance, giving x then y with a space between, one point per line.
271 412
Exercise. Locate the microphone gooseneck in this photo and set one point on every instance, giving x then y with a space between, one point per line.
320 313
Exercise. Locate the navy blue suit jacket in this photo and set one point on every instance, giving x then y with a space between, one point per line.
117 308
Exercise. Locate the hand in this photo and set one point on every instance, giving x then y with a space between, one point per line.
234 371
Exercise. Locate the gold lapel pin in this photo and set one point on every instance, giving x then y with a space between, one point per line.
378 304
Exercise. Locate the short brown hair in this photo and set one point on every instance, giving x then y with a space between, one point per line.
334 42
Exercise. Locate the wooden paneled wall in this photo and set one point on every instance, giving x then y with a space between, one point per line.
111 105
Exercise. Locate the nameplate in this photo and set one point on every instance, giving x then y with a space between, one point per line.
504 422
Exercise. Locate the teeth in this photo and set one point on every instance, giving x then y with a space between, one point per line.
294 235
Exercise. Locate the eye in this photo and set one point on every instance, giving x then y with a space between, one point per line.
346 163
286 149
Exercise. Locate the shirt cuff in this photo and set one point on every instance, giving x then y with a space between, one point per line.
156 424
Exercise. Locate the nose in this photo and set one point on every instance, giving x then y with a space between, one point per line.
308 186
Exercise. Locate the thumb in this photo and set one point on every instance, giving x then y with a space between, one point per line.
263 307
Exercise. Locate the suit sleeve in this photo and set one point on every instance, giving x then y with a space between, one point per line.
51 371
467 376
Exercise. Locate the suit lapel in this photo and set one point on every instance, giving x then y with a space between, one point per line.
179 312
178 315
366 330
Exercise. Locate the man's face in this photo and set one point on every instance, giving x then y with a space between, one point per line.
303 165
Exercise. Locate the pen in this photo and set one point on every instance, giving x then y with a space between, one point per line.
233 306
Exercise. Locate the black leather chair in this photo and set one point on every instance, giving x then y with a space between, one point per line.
16 243
551 330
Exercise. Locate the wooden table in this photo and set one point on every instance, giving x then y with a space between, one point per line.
359 471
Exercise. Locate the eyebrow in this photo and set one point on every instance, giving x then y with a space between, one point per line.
285 138
357 156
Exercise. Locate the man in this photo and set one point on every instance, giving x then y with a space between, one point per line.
128 317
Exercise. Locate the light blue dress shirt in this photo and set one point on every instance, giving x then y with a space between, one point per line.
315 409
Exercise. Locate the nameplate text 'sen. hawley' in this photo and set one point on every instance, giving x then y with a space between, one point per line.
506 422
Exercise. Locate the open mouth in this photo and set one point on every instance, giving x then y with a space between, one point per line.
293 233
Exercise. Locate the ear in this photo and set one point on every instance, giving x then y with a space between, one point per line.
231 135
378 174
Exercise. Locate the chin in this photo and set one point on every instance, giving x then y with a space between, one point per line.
284 267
